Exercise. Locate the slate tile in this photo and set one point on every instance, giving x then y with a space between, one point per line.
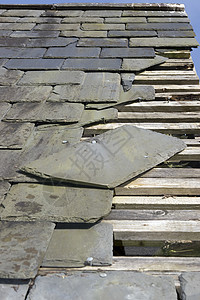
126 20
102 42
5 33
62 13
86 33
2 62
82 20
13 135
159 26
77 245
142 64
13 52
127 33
8 77
153 13
95 26
27 244
109 159
9 19
94 116
176 33
2 11
190 285
4 109
34 64
4 188
45 112
127 52
92 64
10 162
35 34
13 289
50 42
97 87
39 20
57 27
105 285
13 42
39 202
163 42
52 77
102 13
170 20
73 51
22 13
127 81
24 94
16 26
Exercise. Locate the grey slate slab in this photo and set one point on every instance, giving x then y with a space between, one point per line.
9 19
86 33
126 20
13 52
24 94
23 12
92 64
50 42
142 64
168 19
62 13
102 13
38 202
82 20
109 159
72 51
4 188
153 13
13 42
189 282
16 26
57 27
95 26
105 285
27 244
176 33
127 52
45 112
13 289
34 64
14 136
80 243
102 42
128 33
97 87
4 109
5 33
159 26
8 77
10 163
163 42
35 34
39 20
52 77
127 81
93 116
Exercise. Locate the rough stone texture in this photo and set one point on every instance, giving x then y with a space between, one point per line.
109 159
101 42
190 286
127 52
128 33
92 64
82 33
4 188
103 285
78 243
14 52
10 162
45 112
14 136
13 289
159 26
52 77
92 116
24 94
142 64
72 51
127 80
38 202
163 42
27 244
50 42
4 109
34 64
8 77
97 87
95 26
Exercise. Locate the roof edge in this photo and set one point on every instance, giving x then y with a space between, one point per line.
134 6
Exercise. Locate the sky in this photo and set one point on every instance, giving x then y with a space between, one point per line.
192 9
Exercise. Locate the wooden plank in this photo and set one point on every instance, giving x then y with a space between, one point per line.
175 64
192 142
160 186
172 73
172 173
176 88
189 154
166 79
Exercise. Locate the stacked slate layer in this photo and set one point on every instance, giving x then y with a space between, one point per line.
64 68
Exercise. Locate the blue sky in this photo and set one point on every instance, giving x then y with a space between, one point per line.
192 8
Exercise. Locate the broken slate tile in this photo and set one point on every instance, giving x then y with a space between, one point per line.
127 81
13 289
87 64
102 42
4 109
90 116
72 51
4 188
27 244
80 244
105 285
127 52
34 64
142 64
190 285
8 77
39 202
13 135
45 112
24 94
96 87
52 77
115 157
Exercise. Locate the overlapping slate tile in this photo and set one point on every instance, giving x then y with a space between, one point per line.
72 51
39 20
13 289
27 244
10 163
16 26
57 27
14 52
52 77
102 13
13 42
190 286
13 135
86 33
96 87
4 188
35 34
24 94
34 64
39 202
127 52
109 159
100 26
82 20
159 26
168 19
4 109
174 34
62 13
126 20
104 285
22 12
128 33
8 77
102 42
92 64
142 64
153 13
50 42
127 81
163 42
45 112
78 245
90 116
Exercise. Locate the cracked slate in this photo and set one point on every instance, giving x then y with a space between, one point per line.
190 285
114 157
142 64
4 188
92 64
96 87
38 202
45 112
78 243
13 135
72 51
105 285
8 77
34 64
13 289
27 244
24 94
127 81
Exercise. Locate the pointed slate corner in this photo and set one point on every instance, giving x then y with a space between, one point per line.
142 64
189 282
109 159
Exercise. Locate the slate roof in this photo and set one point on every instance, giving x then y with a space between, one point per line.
64 67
